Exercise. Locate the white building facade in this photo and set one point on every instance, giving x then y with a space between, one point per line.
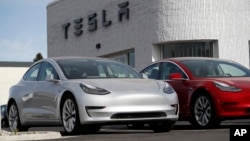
139 32
10 74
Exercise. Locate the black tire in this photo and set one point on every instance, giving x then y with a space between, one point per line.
163 126
14 119
203 112
70 115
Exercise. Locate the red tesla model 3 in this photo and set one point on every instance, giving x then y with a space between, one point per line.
210 90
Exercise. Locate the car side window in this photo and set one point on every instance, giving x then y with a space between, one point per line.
152 71
47 69
32 73
168 69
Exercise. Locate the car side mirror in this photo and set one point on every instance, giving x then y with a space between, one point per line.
144 76
51 78
176 76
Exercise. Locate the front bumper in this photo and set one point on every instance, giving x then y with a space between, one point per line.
233 105
129 108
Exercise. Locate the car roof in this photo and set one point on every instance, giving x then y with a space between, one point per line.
193 58
76 57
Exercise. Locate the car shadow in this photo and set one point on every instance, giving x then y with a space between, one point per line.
114 130
181 125
224 125
191 127
146 129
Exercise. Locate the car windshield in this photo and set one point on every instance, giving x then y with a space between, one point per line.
215 68
91 69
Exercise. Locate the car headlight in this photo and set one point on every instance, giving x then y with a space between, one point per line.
226 87
168 89
93 90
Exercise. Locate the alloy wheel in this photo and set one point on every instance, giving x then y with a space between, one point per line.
69 115
13 118
203 111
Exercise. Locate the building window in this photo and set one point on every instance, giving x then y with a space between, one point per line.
126 57
121 58
188 49
131 59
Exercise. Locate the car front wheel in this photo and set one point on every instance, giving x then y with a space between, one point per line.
203 112
14 120
70 115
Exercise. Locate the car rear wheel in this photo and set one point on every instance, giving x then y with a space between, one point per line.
163 126
203 112
70 116
14 120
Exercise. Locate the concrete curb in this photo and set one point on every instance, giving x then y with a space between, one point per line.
31 135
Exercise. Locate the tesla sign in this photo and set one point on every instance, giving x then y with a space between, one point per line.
92 20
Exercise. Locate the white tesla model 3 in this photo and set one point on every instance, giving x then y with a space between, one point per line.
82 94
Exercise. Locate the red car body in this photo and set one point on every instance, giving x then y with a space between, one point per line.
224 90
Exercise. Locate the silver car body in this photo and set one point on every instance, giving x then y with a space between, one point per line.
129 100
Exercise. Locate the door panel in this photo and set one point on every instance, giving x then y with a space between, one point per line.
46 98
26 89
46 94
40 98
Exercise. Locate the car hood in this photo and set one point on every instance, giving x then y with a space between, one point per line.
122 85
241 82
